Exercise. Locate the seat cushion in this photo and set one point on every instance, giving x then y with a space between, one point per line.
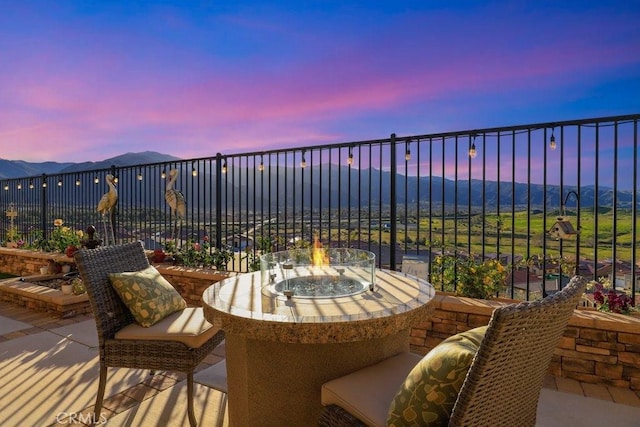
366 393
148 295
430 390
187 326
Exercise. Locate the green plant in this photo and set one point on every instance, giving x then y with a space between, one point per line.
38 241
13 235
468 277
62 237
78 286
252 257
196 254
221 257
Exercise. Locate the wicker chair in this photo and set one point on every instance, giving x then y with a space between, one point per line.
504 380
111 316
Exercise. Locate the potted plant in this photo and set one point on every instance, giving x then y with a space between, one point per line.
66 288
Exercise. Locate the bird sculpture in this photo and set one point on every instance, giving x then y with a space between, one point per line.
105 208
175 200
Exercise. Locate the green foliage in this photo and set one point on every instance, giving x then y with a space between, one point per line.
78 286
63 237
13 235
469 278
195 254
60 238
252 257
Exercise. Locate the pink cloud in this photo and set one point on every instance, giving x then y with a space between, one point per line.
102 99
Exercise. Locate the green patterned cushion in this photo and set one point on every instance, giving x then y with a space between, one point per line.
148 295
428 394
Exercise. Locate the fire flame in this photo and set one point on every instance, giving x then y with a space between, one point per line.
318 256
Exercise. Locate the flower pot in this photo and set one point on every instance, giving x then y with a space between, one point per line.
67 289
66 268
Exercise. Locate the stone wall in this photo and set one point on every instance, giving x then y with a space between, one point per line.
23 262
191 282
599 348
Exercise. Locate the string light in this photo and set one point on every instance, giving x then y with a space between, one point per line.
163 175
552 140
350 158
407 154
139 176
6 187
261 166
115 180
472 151
224 167
59 182
31 184
77 181
194 172
303 162
44 184
19 186
96 180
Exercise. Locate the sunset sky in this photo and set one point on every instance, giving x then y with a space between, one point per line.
82 80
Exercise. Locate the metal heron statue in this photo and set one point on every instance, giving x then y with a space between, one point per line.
175 200
105 208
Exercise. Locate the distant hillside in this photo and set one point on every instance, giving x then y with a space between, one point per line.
350 187
18 168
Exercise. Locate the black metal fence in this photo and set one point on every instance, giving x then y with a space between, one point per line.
516 194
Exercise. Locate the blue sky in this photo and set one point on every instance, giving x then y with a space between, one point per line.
85 80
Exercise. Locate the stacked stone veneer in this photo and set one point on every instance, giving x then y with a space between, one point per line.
191 282
23 262
599 348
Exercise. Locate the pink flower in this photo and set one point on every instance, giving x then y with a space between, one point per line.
196 246
205 238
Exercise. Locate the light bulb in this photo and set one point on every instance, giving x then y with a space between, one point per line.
472 151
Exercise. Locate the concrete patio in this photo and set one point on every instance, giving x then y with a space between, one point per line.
49 371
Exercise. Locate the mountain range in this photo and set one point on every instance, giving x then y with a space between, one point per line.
364 187
19 169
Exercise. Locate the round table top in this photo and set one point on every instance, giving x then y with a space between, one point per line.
397 302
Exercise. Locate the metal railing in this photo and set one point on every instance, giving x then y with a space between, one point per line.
490 193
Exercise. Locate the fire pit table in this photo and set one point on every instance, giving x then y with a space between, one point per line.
300 322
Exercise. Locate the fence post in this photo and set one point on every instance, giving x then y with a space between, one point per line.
112 215
394 205
218 200
43 206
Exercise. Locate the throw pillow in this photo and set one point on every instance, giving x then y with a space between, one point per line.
148 295
430 390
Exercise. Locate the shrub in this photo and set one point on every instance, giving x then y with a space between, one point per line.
469 278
